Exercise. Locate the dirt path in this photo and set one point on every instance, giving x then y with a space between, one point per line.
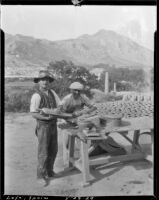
132 178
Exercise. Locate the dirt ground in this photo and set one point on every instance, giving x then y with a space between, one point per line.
119 179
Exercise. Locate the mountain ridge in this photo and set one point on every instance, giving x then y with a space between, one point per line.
26 53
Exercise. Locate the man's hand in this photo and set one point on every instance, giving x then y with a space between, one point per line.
50 117
76 114
40 116
45 110
50 111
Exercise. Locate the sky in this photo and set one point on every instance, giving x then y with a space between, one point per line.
67 22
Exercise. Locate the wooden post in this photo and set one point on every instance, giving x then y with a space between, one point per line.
115 87
106 82
135 144
71 149
85 163
65 150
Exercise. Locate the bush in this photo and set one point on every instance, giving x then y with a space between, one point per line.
18 102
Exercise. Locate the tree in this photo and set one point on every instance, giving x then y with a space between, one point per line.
66 73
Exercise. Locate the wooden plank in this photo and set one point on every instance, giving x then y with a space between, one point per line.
128 157
78 165
152 136
122 158
85 162
65 150
92 148
135 144
151 157
56 113
131 141
71 148
99 161
95 138
72 160
139 123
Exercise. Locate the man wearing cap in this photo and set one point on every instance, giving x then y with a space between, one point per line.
46 127
76 101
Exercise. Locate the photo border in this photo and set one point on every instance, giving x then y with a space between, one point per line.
2 72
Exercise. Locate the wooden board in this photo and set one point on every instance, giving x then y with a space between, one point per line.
63 115
139 123
59 115
122 158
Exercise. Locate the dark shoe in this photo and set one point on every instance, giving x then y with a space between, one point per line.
40 176
44 177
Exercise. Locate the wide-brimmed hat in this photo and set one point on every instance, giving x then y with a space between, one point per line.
76 86
44 74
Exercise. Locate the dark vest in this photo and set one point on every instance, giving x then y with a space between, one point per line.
47 101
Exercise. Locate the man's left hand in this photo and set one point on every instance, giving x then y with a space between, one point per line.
46 110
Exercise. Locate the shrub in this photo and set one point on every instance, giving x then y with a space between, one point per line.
18 102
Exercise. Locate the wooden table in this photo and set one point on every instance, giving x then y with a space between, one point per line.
136 125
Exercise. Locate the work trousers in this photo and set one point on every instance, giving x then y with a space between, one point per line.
46 133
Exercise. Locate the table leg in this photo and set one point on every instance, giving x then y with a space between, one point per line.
152 136
71 149
65 150
135 144
152 142
85 163
151 157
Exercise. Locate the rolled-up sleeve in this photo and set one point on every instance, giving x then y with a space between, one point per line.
35 102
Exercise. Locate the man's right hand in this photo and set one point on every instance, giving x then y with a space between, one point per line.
76 114
50 117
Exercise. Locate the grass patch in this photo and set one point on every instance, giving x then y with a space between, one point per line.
18 95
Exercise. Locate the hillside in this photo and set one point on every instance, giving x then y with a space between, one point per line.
25 55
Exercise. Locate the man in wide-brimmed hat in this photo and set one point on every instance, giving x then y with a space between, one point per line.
46 128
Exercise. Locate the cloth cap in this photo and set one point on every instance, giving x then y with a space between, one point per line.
44 74
76 86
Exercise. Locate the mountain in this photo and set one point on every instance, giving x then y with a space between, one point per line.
26 55
135 30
